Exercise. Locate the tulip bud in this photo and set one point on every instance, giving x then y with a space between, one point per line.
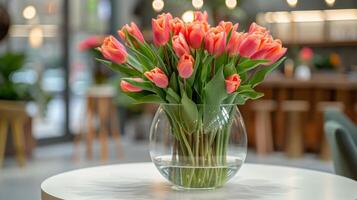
228 26
270 50
215 41
158 77
255 28
195 33
180 45
113 50
132 30
161 29
185 66
177 26
232 83
200 16
127 87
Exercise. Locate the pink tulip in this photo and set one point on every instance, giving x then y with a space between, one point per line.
177 26
132 30
127 87
91 42
113 50
255 28
234 42
200 16
270 50
228 26
195 33
180 45
232 83
158 77
306 54
185 66
249 45
215 41
161 29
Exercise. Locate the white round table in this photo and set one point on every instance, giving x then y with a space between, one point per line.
143 181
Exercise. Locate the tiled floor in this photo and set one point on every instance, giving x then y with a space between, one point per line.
24 183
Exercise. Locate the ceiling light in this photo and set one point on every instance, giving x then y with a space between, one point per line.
292 3
158 5
330 2
197 4
29 12
231 4
188 16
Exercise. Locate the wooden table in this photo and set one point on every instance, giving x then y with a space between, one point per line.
143 181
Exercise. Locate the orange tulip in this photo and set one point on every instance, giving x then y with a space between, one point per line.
113 50
161 29
215 41
177 26
185 66
200 16
228 26
158 77
127 87
195 33
232 83
132 30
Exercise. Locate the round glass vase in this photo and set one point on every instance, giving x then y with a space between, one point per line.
198 146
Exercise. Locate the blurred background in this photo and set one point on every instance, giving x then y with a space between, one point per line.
51 81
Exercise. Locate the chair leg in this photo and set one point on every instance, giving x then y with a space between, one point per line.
3 135
103 110
17 129
263 135
294 147
90 127
115 131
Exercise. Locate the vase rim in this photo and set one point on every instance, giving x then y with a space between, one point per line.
177 104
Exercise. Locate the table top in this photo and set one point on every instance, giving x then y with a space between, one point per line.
143 181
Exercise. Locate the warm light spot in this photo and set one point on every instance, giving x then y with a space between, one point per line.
231 4
188 16
292 3
158 5
330 2
197 4
29 12
36 37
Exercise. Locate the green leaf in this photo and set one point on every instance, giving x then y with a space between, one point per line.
172 96
196 66
125 70
260 75
189 114
144 97
145 85
173 82
215 90
249 64
239 100
248 92
229 69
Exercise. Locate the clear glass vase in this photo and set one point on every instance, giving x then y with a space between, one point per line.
198 146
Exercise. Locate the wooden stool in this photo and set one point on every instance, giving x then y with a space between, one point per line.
100 104
322 107
263 125
294 145
13 114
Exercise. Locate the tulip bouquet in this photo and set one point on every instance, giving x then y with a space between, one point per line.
198 67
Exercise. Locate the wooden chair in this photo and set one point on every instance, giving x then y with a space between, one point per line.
13 115
294 145
263 125
100 106
322 107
